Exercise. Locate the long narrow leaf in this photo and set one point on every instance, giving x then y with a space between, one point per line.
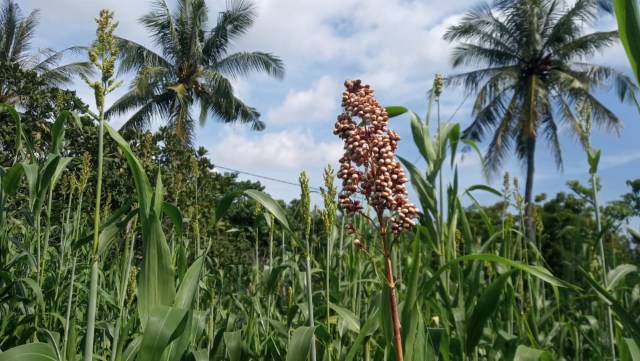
300 343
628 18
165 324
31 352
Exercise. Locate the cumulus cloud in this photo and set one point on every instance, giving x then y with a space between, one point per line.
290 150
317 103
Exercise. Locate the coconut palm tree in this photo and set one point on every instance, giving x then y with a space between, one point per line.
192 68
16 33
531 55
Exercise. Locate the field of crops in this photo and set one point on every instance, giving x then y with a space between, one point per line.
89 272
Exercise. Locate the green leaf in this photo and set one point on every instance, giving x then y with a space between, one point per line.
359 341
53 338
16 119
349 317
132 349
267 202
31 352
628 18
44 179
634 350
108 234
617 274
628 320
143 186
537 271
164 325
184 300
300 343
525 353
274 208
424 189
156 280
189 285
485 188
223 205
394 110
11 179
57 129
174 215
199 355
593 157
156 284
485 307
233 342
422 138
62 165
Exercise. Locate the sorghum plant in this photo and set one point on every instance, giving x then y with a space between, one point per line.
369 168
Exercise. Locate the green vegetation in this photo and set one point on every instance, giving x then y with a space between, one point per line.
126 245
192 68
533 53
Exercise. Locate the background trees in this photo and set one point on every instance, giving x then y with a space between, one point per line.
192 69
16 33
532 77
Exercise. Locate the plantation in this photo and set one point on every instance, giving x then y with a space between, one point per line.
128 244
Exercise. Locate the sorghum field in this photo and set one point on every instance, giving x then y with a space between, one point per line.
125 245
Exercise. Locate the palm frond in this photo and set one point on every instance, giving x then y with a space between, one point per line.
180 120
222 104
241 64
192 16
134 57
472 79
126 103
64 74
16 32
603 116
550 132
472 54
569 26
569 118
23 35
158 106
161 25
235 21
624 85
503 137
487 115
586 45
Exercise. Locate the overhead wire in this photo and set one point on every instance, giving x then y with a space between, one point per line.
265 177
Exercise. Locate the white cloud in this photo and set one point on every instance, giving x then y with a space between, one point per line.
611 161
290 150
317 103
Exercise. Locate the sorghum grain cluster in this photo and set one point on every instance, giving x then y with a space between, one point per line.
369 166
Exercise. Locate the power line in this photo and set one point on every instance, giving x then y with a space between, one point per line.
265 177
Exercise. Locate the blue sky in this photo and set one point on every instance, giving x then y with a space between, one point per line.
394 45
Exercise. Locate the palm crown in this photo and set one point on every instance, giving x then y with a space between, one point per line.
192 69
533 76
16 33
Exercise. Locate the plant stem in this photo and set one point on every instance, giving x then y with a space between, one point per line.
397 337
603 262
310 302
93 290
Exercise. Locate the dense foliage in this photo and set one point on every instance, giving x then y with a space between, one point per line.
130 245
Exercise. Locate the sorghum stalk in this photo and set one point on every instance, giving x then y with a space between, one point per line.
305 203
103 55
328 218
369 168
584 111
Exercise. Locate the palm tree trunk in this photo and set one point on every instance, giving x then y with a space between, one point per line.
529 224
